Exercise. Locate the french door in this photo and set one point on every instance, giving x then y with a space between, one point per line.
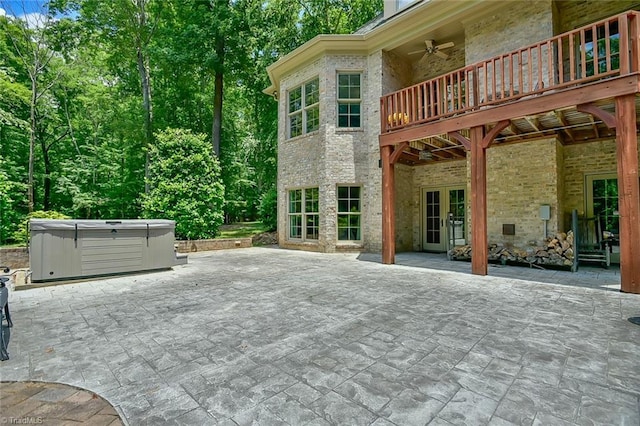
444 218
602 202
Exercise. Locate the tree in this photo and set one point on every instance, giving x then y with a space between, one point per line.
30 43
184 181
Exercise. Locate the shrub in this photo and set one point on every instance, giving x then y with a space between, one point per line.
185 184
269 209
22 235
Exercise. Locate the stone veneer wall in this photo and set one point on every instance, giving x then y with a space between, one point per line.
303 153
580 161
14 258
573 14
432 66
509 29
333 156
404 207
520 178
513 27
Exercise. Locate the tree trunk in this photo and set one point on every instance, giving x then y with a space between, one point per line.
143 69
145 82
32 141
46 201
216 132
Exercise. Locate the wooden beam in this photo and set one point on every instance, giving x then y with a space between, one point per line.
606 117
533 122
479 241
397 152
565 123
460 138
388 208
588 93
493 133
628 193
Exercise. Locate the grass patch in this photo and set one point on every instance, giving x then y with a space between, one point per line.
241 230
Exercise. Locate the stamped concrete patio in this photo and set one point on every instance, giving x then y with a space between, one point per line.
270 336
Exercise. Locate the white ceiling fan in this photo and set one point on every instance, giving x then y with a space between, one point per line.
434 49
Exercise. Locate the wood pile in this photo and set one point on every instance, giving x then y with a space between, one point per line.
556 251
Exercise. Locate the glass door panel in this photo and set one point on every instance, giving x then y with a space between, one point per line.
437 204
457 210
602 202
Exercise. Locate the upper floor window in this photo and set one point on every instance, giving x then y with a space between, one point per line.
349 99
304 109
602 49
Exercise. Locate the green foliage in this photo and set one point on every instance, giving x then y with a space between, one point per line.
184 180
22 235
90 135
269 209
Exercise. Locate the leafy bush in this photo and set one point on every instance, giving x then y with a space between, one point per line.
22 235
269 209
185 184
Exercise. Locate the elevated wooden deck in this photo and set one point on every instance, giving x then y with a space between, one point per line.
581 85
540 89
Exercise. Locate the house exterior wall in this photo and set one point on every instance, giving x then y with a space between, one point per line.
520 178
305 152
573 14
432 66
582 160
333 156
404 207
508 30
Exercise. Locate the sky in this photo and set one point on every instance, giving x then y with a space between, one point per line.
28 10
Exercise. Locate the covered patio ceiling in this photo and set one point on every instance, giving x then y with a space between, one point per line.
569 125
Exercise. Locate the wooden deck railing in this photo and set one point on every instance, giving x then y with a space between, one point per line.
600 50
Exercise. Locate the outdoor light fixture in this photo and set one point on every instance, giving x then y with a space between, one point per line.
425 155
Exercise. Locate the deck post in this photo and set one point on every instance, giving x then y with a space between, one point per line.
479 246
388 207
628 193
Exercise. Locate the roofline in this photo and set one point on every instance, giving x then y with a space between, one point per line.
390 34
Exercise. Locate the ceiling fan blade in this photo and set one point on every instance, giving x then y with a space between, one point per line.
441 54
445 45
429 43
416 51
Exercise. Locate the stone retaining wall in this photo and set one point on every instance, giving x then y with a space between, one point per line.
219 244
14 258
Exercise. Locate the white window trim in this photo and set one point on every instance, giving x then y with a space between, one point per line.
349 100
338 213
303 108
303 215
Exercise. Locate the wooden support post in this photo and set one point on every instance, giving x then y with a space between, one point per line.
479 242
628 193
388 207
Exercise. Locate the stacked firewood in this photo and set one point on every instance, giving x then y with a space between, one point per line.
556 250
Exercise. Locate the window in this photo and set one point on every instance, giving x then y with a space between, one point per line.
349 211
349 100
596 50
304 110
304 218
